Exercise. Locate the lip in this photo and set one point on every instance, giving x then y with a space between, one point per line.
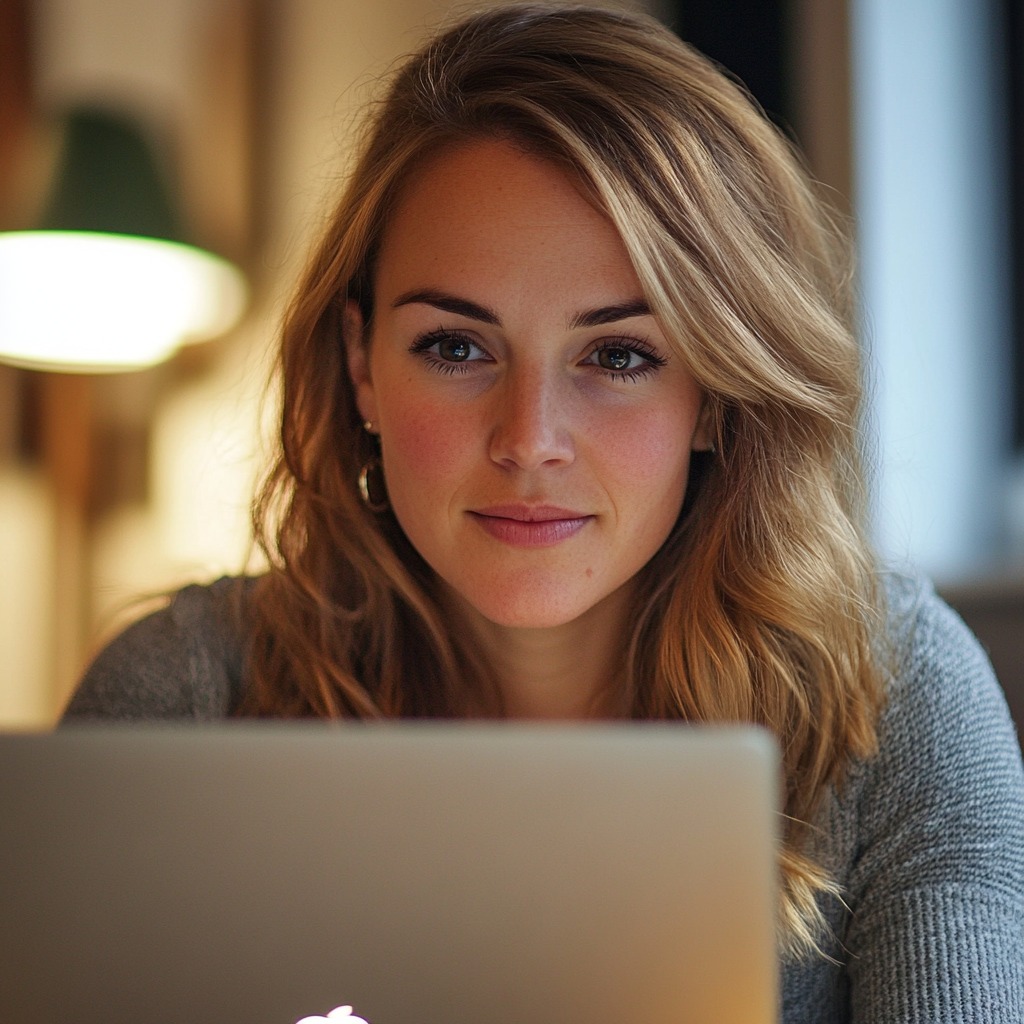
529 513
530 526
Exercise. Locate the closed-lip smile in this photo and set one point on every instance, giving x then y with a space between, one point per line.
524 525
529 513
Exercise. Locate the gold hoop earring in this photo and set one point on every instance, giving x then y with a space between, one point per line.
372 488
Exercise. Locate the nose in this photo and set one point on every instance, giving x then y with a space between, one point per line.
531 421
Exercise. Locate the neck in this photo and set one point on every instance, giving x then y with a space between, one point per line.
569 672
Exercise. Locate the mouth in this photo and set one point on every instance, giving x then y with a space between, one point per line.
530 525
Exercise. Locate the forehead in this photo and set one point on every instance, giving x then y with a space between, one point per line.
479 206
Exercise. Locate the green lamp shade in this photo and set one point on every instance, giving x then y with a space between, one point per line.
108 180
107 283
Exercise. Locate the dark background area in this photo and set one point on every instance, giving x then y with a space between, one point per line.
750 39
1013 63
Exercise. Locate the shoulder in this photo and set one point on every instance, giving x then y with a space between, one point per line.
947 771
935 822
945 730
183 661
943 696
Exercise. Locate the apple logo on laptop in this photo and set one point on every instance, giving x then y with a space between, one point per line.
339 1013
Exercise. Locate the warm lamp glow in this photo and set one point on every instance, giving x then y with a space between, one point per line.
86 301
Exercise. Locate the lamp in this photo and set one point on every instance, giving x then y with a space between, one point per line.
108 283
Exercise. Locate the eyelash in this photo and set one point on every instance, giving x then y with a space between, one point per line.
422 345
637 346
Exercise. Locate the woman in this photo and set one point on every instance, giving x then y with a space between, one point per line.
570 430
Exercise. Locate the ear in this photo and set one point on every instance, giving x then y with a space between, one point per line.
357 355
703 439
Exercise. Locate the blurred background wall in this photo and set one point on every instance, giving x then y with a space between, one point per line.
114 486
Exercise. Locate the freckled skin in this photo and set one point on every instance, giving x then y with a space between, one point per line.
531 416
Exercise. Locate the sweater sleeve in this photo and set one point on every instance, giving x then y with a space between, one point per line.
937 889
181 662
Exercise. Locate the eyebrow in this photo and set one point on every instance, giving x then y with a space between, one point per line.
450 304
610 314
474 311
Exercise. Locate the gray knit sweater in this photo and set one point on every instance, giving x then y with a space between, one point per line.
926 839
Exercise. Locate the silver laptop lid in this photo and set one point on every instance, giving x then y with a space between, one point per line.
421 874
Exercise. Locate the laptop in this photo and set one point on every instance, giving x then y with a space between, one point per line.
388 873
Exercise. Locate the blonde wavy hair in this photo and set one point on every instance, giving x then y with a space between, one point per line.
763 605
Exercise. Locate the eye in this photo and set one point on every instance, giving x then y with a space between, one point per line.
614 357
446 350
454 348
630 359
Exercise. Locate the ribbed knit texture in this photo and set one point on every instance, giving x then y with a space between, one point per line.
926 839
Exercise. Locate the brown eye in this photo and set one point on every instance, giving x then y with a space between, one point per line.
454 349
625 359
614 358
449 352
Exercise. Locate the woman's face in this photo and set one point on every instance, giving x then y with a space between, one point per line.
535 424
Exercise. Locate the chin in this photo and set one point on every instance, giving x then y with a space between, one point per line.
529 618
530 610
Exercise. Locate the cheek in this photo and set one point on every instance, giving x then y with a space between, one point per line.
423 439
653 452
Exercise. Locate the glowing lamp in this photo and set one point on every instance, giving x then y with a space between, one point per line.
108 283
